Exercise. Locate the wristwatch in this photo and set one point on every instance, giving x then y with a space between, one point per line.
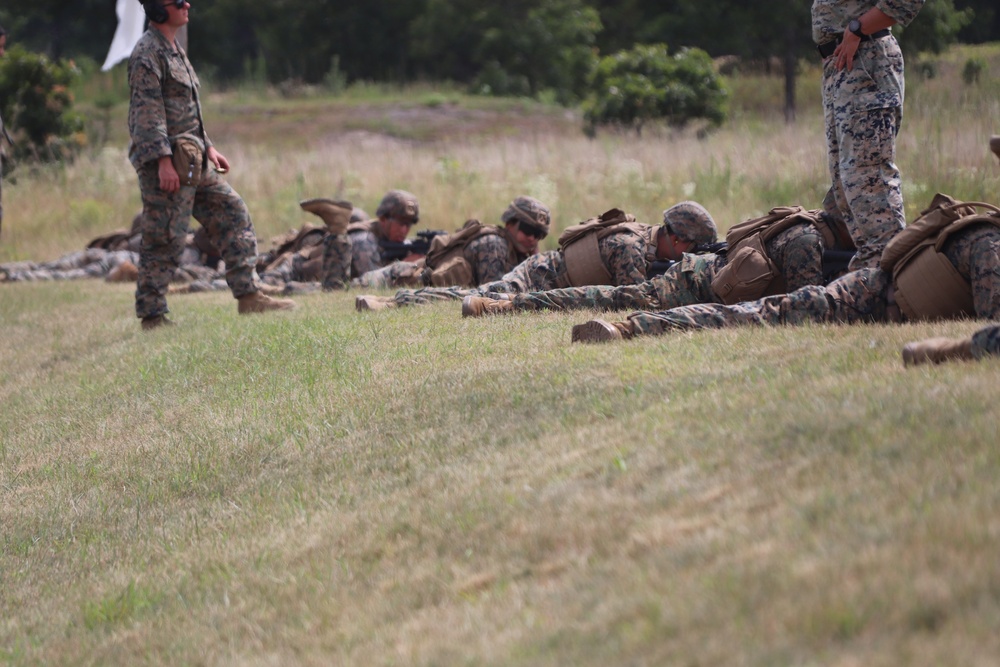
855 27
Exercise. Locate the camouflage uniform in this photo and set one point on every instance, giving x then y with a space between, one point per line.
862 109
489 257
624 255
797 252
164 106
860 296
89 263
986 341
352 254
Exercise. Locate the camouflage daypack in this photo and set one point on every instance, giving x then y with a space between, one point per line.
750 273
927 285
445 264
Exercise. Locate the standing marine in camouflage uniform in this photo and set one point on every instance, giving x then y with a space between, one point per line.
354 248
985 342
866 295
796 253
493 251
170 151
862 107
625 255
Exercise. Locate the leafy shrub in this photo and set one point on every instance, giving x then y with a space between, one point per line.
647 84
974 67
37 106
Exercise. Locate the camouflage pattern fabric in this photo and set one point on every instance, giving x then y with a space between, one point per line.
163 107
350 255
860 296
862 110
797 252
686 282
397 274
624 254
164 100
338 254
975 253
690 221
222 213
986 341
830 17
489 257
546 270
89 263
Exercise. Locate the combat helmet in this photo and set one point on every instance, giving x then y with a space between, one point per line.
689 221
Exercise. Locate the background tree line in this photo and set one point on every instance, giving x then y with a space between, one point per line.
503 46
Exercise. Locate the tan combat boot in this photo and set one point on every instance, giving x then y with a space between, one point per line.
336 214
155 322
995 144
477 306
256 302
599 331
363 303
937 350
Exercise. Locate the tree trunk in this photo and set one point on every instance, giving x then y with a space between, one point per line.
791 65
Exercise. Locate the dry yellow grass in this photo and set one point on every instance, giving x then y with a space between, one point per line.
409 487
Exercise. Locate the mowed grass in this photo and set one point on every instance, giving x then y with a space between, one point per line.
411 487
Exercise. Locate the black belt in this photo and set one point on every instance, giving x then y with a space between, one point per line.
826 49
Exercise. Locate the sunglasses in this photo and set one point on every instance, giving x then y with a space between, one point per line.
179 4
532 231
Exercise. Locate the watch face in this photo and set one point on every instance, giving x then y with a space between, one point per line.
855 27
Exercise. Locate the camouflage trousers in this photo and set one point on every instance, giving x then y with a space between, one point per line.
164 227
861 296
397 274
541 272
337 254
862 110
89 263
686 282
986 341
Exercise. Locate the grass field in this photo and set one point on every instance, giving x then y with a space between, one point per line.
414 488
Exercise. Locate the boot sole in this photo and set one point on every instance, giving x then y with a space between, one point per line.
595 331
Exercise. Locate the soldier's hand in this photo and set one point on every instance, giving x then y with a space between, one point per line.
169 180
218 159
846 50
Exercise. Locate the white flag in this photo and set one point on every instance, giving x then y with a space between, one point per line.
131 20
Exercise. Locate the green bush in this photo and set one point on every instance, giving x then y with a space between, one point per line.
37 106
646 84
974 67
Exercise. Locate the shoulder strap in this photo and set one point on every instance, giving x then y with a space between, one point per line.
444 245
943 212
607 219
749 227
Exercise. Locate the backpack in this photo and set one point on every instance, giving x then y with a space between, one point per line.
749 272
446 264
927 285
579 245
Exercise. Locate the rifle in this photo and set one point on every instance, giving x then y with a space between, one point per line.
659 266
835 264
393 251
